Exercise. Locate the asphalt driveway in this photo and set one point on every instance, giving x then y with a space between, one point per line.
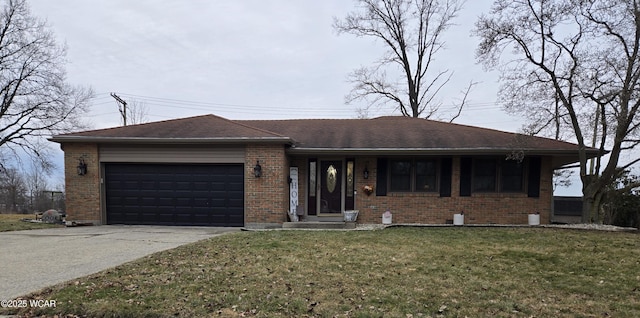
34 259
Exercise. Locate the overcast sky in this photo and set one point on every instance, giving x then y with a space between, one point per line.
241 59
250 59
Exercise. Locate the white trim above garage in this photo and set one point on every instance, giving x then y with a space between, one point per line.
171 154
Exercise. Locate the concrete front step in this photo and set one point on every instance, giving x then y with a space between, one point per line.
319 225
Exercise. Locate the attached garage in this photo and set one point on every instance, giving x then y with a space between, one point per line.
196 172
174 194
198 185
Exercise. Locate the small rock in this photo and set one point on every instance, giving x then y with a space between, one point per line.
51 216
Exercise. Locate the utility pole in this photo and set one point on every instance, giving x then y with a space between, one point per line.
123 109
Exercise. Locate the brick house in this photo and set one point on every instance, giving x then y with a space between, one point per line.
208 170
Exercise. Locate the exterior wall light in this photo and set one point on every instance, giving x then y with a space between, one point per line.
257 170
365 173
82 167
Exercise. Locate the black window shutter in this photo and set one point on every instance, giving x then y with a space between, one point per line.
445 177
535 165
465 177
381 177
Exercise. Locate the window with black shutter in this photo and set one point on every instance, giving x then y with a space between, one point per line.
493 175
413 175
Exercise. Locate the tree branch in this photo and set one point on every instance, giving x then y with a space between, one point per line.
405 27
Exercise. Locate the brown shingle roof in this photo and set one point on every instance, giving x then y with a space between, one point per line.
395 132
207 128
391 134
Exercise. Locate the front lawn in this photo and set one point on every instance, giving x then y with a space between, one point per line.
13 222
396 272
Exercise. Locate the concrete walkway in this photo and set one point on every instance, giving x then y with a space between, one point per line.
35 259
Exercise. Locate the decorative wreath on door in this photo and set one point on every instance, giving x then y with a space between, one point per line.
332 178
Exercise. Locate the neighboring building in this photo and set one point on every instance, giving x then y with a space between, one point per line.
202 171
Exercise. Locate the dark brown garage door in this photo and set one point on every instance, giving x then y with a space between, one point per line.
175 194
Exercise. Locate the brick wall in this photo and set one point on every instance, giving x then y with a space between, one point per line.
430 208
267 197
82 192
265 200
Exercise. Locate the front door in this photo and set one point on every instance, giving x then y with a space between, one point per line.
331 186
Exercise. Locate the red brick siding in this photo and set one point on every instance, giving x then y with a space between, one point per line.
82 192
267 197
430 208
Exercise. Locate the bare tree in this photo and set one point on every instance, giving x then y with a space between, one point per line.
35 100
412 32
138 112
13 192
36 184
575 67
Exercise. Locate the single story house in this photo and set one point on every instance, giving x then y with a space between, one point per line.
208 170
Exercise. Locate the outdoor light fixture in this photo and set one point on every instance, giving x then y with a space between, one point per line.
257 170
365 173
82 167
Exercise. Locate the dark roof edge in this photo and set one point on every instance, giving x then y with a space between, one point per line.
135 140
457 151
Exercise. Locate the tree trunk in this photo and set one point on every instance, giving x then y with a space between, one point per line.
592 196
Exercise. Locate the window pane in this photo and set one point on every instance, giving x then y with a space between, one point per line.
426 175
484 175
312 178
512 176
349 178
400 175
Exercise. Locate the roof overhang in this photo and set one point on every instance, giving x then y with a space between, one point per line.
559 157
144 140
457 151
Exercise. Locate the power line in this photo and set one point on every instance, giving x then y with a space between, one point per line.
195 104
200 105
243 109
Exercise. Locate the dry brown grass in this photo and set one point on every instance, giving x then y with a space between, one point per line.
397 272
13 222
